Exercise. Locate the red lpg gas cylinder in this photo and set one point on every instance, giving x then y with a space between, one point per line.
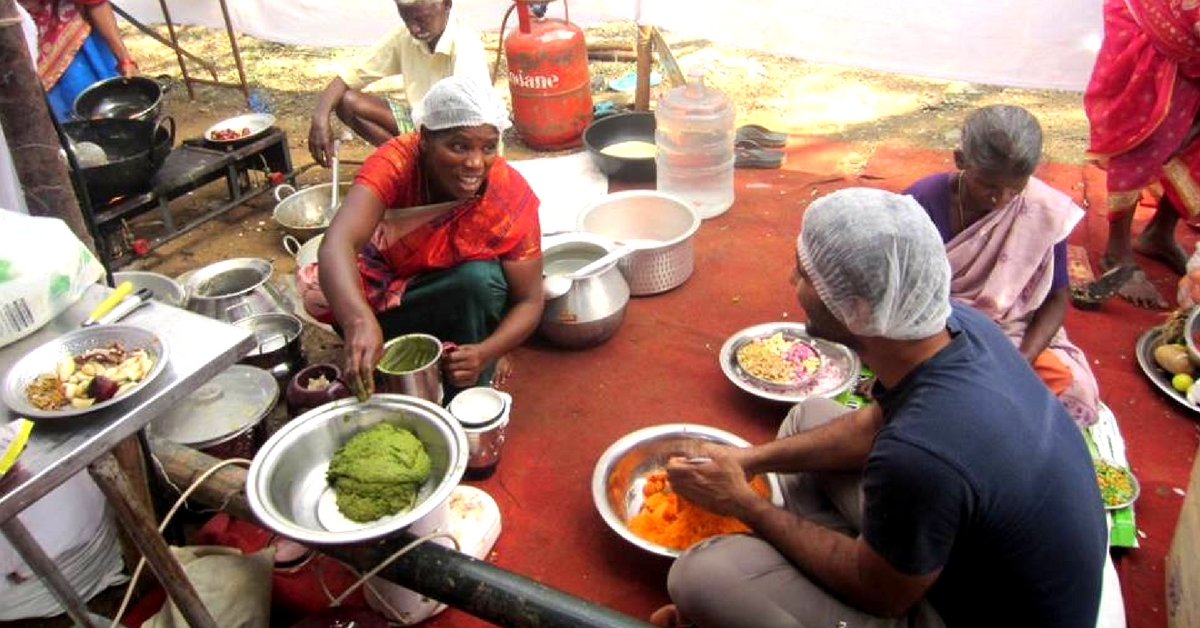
548 79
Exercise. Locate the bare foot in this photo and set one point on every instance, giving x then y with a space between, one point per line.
503 370
1137 289
669 617
1166 250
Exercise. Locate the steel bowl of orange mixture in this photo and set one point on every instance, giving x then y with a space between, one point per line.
631 493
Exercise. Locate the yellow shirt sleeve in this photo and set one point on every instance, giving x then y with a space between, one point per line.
383 59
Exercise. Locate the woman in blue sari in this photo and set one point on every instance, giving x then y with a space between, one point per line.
78 45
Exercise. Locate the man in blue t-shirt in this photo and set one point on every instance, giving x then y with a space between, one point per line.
964 497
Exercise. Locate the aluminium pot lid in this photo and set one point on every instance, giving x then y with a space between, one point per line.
230 403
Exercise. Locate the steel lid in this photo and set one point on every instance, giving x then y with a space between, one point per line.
229 403
477 407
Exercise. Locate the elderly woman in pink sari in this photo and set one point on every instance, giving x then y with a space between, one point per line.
1005 234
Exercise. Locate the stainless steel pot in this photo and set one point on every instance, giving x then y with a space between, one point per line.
660 226
422 379
305 253
305 213
483 412
277 336
233 289
591 311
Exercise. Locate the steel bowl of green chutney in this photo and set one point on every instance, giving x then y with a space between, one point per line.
354 472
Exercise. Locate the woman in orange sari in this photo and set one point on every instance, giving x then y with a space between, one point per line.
472 275
1142 103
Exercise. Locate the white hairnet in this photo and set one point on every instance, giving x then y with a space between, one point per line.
457 101
877 262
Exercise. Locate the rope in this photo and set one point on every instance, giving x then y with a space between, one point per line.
389 560
163 526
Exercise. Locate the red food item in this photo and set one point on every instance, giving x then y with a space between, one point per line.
102 388
225 135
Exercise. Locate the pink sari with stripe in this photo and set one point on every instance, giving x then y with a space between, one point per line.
1003 266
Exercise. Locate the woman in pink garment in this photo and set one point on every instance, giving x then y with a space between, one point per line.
1005 233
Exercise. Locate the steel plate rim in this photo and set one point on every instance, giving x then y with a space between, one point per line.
1150 370
265 119
15 399
599 481
1133 481
727 359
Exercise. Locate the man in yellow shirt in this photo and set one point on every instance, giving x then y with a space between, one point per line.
431 45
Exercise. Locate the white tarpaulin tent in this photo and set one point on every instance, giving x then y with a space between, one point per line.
1022 43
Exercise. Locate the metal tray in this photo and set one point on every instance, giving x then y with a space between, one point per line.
833 354
44 358
1145 359
256 123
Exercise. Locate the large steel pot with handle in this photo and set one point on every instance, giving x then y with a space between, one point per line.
591 311
233 289
306 213
659 227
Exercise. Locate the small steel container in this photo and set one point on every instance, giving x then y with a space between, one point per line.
423 381
483 413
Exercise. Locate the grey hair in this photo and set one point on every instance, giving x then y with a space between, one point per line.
1002 139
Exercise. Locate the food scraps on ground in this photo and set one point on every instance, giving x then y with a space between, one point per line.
89 378
674 522
778 359
224 135
1116 485
378 472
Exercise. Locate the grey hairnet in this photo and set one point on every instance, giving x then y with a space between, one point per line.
877 262
458 101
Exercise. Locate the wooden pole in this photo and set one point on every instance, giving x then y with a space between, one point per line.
30 133
641 96
140 525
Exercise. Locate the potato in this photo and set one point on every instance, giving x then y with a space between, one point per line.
1173 358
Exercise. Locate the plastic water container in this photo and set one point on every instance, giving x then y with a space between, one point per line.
694 137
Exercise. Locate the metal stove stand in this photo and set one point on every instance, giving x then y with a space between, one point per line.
194 163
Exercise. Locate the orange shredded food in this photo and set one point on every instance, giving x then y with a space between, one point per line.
674 522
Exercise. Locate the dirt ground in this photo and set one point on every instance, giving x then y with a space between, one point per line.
847 104
839 103
788 94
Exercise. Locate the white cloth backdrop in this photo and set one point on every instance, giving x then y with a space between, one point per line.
1022 43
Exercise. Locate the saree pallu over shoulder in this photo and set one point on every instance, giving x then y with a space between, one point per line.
501 223
1003 264
61 31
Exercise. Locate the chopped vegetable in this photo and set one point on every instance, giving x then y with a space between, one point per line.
674 522
1116 485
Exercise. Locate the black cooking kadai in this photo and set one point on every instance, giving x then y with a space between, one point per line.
118 157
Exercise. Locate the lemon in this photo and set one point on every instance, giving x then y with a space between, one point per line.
1182 382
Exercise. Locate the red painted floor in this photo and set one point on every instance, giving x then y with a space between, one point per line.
661 367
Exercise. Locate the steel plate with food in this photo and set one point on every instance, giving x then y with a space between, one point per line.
239 128
781 362
83 371
1118 486
1149 342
